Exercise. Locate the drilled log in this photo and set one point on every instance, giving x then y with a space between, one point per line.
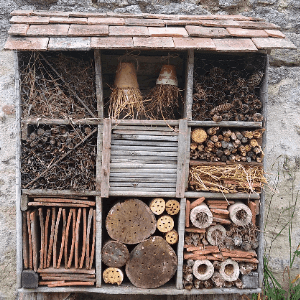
113 276
240 214
216 235
114 254
152 263
172 207
157 206
130 222
201 216
165 223
171 237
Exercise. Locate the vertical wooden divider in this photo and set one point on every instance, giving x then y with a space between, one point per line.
98 221
181 227
188 96
181 158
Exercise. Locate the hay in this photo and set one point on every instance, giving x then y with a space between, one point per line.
163 101
227 179
126 104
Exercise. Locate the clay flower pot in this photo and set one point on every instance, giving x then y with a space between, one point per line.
126 76
167 75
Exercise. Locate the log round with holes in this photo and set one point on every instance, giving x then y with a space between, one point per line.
240 214
201 216
165 223
157 206
114 254
152 263
172 207
130 222
229 270
216 235
113 275
171 237
199 135
203 269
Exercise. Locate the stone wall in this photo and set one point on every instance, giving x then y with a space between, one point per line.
283 132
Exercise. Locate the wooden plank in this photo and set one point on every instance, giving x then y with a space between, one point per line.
77 237
30 264
137 180
146 122
129 165
98 83
56 204
143 143
208 195
141 175
218 163
50 249
41 218
187 159
135 189
34 239
64 200
46 236
44 193
142 171
188 95
181 226
106 158
145 128
143 148
56 236
97 222
144 132
68 278
60 275
146 159
24 202
83 239
143 184
63 238
238 124
182 140
88 231
99 157
119 153
46 121
25 241
65 271
94 242
142 194
140 137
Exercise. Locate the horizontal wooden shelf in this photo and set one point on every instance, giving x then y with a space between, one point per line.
217 196
219 163
226 124
59 193
146 122
46 121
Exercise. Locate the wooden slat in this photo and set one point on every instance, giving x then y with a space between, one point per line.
134 189
67 236
144 148
137 180
182 140
56 204
98 83
106 158
34 239
144 132
45 193
97 240
30 264
146 122
141 175
46 236
88 232
41 218
99 157
64 200
140 137
50 248
63 238
66 271
94 242
142 194
83 239
209 195
77 237
143 143
238 124
56 236
143 171
25 241
147 159
120 153
130 165
70 259
188 96
143 184
147 128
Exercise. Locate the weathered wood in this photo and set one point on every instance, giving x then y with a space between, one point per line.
151 148
77 237
143 165
218 163
65 271
24 202
145 170
34 239
141 194
142 153
146 122
25 241
63 238
41 218
98 83
97 240
146 128
144 180
142 175
134 189
238 124
144 159
114 254
45 121
105 173
94 243
145 132
44 193
55 237
52 204
70 283
152 263
70 259
30 264
64 200
68 278
143 137
67 237
182 140
209 195
99 157
188 96
143 184
88 232
83 239
46 236
143 143
130 222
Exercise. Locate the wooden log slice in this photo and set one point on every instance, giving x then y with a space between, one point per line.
240 214
113 275
157 206
130 222
165 223
172 207
216 235
199 135
152 263
171 237
201 216
115 254
229 270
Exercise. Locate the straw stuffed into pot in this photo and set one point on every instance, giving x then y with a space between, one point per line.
163 99
126 100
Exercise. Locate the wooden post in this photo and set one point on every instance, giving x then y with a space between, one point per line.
188 97
106 158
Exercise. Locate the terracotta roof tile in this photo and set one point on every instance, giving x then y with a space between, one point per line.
124 15
144 22
106 21
241 32
168 31
220 23
234 45
128 31
18 29
29 20
21 12
181 22
275 33
70 43
153 42
48 30
207 31
66 20
273 43
26 43
257 25
88 30
161 16
194 43
86 14
111 42
215 17
46 13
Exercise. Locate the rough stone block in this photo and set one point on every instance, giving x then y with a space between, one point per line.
30 279
25 43
106 21
192 43
168 31
273 43
88 30
153 42
18 29
200 31
229 3
29 20
70 43
111 42
250 281
234 45
48 30
128 31
66 20
241 32
144 22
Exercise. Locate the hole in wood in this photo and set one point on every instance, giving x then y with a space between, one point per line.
229 269
202 269
241 215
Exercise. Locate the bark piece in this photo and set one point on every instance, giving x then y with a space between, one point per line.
217 279
50 249
252 206
165 223
67 237
63 238
113 275
56 236
83 239
77 237
196 230
114 254
94 241
88 233
130 222
197 202
187 213
73 239
157 206
46 236
41 218
172 207
152 263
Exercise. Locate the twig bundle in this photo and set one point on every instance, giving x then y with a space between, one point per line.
227 179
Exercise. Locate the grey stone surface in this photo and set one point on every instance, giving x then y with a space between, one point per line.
229 3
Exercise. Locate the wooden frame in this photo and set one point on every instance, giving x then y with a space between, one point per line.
102 183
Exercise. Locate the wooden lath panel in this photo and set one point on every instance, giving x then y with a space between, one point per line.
143 158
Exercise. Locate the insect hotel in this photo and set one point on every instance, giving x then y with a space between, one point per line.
140 151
